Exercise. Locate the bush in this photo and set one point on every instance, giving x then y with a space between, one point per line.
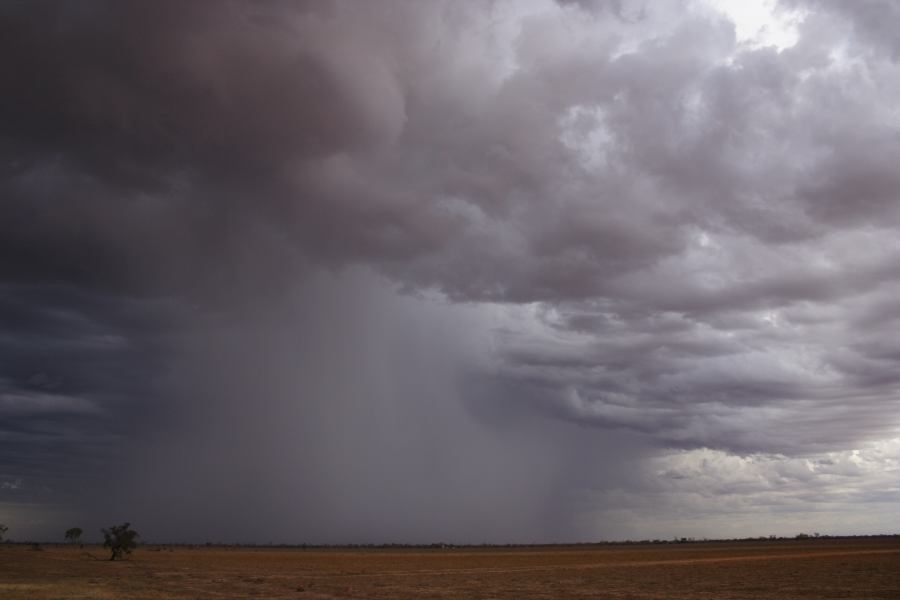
120 539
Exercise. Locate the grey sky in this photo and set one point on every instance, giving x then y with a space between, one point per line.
463 271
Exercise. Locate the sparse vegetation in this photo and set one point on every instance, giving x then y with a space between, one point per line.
783 570
120 539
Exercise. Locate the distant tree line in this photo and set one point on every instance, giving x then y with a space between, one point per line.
121 540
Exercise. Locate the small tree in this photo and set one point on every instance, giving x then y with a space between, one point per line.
3 530
120 539
74 535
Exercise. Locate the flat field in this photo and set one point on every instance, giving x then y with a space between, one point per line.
814 569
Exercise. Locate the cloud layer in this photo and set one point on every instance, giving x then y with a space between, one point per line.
365 259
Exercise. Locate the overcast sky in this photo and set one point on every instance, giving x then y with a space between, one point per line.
462 271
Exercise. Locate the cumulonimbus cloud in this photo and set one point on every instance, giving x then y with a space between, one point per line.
675 240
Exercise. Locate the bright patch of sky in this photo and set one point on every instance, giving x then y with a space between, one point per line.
718 494
760 23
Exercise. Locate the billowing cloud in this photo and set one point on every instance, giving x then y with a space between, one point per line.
408 266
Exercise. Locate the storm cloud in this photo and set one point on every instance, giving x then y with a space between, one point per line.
461 271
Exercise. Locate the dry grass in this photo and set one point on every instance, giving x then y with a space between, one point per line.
814 569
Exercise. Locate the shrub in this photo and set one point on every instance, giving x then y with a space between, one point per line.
120 539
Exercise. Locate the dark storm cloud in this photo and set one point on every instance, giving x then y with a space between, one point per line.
253 98
619 225
76 372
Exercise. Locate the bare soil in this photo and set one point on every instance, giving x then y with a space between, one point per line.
813 569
